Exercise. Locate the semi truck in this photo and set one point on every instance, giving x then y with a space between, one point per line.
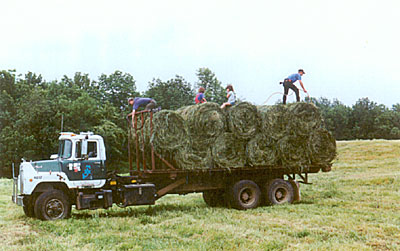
77 176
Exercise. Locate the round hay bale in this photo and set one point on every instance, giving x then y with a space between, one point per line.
322 147
243 120
261 151
189 160
228 152
274 120
169 131
205 122
303 118
294 154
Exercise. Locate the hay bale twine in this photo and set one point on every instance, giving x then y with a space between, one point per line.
243 120
322 146
261 151
228 152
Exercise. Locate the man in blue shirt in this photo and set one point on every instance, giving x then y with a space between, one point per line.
288 83
148 103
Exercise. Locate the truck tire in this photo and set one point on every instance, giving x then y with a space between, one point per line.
245 194
52 205
279 191
29 207
214 198
296 190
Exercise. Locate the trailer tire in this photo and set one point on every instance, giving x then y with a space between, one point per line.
214 198
245 194
279 192
296 190
52 205
29 207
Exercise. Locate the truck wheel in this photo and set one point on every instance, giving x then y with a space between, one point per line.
214 198
279 192
28 207
52 205
245 194
296 190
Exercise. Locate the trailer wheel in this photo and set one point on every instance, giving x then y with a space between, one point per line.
245 194
28 207
279 192
214 198
296 190
52 205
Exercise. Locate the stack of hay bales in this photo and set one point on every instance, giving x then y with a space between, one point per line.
203 136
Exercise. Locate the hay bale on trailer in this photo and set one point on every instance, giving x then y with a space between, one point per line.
322 147
205 122
262 151
203 136
243 120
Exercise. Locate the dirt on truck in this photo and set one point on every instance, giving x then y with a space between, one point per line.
242 158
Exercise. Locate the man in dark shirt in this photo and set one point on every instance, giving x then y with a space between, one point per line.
148 103
288 83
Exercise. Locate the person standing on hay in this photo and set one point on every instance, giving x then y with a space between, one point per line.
200 96
288 83
148 103
230 96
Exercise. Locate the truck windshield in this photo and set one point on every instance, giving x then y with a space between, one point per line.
65 149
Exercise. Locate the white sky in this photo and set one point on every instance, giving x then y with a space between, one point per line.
348 48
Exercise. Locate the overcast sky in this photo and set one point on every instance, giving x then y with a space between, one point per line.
348 49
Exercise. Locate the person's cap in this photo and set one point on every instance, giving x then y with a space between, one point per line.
302 71
129 99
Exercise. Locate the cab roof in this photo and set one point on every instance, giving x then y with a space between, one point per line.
82 135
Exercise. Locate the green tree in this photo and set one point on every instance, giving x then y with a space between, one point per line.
174 93
116 88
364 115
8 109
214 90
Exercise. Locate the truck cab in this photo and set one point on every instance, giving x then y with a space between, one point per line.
82 157
78 165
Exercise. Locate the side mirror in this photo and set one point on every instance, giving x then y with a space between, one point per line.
54 156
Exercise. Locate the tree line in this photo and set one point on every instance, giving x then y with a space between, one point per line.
33 111
364 120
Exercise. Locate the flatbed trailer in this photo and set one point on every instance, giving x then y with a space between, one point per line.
78 176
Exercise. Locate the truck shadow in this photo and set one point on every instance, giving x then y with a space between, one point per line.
157 210
138 211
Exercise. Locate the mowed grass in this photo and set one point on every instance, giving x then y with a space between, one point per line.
356 206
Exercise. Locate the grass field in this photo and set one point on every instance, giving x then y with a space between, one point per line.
354 207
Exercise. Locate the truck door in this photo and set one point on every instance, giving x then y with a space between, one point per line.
92 166
86 163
